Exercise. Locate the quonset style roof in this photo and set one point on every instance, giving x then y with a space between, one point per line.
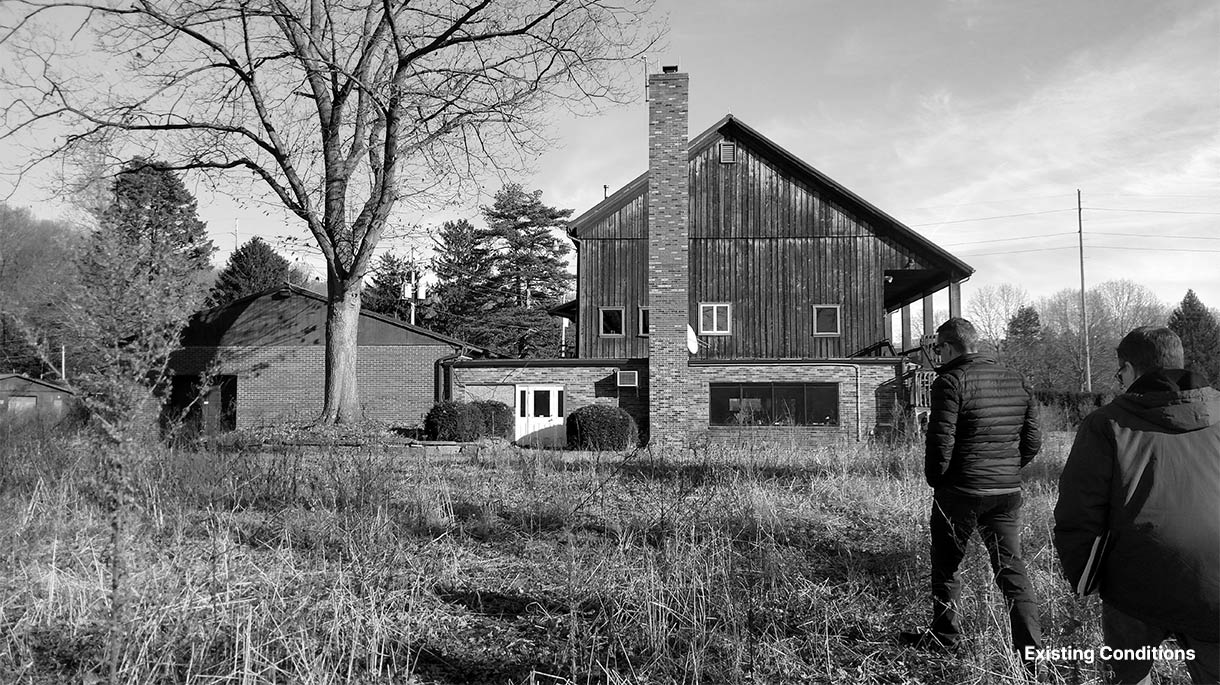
733 128
207 327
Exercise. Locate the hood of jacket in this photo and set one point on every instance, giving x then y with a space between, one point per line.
1174 399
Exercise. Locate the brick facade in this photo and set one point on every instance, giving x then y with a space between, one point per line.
285 383
668 258
584 382
862 411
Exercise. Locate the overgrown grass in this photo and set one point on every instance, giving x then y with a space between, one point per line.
760 563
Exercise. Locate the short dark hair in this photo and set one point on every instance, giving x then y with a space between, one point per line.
959 332
1149 348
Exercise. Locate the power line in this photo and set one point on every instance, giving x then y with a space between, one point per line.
1148 211
1150 235
989 218
1001 240
1148 249
1060 196
1007 252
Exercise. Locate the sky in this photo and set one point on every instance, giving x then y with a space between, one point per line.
974 122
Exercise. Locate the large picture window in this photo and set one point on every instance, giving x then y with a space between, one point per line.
774 404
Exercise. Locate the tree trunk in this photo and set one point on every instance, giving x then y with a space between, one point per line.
342 403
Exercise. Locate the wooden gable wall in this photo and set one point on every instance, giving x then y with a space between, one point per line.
764 239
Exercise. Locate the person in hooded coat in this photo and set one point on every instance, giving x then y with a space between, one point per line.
1139 501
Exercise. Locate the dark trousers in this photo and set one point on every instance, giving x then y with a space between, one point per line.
998 519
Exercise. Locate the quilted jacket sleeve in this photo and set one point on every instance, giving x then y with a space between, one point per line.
1084 495
1031 435
942 427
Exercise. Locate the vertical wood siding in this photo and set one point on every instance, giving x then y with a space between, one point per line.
763 238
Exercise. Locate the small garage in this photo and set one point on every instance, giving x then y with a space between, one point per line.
26 401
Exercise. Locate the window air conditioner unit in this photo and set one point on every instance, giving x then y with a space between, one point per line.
628 379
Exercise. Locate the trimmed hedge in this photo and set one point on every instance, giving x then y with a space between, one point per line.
601 427
456 421
498 419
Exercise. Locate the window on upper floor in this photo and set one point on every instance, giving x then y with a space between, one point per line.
611 325
715 318
826 320
644 326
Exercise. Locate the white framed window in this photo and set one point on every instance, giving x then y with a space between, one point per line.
715 318
611 322
826 321
643 325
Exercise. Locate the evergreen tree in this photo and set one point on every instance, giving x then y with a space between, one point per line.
392 289
465 269
153 214
252 268
1024 347
517 332
1200 334
530 263
141 276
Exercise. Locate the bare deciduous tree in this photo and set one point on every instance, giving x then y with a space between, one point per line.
343 110
990 309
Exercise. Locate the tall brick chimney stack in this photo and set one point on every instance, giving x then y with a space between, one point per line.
670 395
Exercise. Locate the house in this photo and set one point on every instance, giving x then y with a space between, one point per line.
28 401
732 288
265 356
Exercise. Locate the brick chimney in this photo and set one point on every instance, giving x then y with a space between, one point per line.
670 394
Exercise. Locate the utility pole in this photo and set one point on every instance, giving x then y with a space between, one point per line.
1084 311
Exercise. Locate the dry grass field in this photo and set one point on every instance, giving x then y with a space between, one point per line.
751 563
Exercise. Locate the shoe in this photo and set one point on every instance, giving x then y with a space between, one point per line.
926 640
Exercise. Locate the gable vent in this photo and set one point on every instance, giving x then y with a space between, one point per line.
728 152
628 379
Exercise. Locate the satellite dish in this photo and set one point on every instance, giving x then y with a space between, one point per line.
692 340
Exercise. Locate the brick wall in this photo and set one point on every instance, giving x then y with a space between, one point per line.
668 258
286 383
865 402
594 383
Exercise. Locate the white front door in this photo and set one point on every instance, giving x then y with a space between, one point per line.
540 416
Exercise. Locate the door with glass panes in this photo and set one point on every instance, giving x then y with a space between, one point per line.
540 416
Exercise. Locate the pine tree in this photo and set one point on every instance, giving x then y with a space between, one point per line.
141 276
530 262
465 269
252 268
1200 334
1025 347
391 291
154 215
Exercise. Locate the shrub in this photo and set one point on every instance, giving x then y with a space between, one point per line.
1072 406
454 421
601 427
498 420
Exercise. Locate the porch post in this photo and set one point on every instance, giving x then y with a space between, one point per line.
929 317
955 298
906 328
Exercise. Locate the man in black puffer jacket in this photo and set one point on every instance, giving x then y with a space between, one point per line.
982 429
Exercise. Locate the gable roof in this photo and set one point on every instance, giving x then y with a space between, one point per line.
22 378
733 128
225 314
